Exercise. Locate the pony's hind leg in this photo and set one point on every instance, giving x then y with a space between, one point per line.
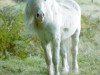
48 58
74 50
65 66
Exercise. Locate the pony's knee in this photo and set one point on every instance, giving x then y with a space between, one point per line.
48 56
49 61
56 60
63 54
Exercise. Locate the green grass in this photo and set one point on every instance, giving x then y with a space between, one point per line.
28 66
89 62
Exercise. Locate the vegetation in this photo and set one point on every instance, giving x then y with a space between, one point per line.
21 54
10 28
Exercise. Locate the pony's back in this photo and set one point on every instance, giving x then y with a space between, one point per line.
71 5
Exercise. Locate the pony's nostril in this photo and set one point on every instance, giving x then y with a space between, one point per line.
43 14
40 15
37 15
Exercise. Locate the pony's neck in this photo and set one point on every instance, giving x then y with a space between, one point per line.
52 7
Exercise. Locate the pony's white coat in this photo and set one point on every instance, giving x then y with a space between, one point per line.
61 20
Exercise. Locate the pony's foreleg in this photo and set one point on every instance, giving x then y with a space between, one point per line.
75 41
48 58
56 51
65 66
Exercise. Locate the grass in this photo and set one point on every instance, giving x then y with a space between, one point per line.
89 59
89 48
27 66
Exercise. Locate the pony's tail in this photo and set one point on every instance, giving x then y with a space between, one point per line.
69 43
69 47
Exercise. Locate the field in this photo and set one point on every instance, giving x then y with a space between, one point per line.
22 55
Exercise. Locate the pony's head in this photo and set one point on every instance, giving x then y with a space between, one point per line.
39 8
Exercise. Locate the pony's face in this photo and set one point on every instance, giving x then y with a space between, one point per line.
39 9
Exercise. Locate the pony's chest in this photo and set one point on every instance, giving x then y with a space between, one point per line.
45 34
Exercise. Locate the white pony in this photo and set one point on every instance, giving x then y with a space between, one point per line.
54 21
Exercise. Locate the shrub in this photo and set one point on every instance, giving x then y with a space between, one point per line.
10 27
13 38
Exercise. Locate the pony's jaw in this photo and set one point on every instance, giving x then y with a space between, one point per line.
40 20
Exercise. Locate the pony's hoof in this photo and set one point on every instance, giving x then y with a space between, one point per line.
75 71
57 73
65 71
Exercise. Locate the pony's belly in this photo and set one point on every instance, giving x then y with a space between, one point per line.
68 32
70 25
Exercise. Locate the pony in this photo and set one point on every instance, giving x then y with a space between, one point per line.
54 21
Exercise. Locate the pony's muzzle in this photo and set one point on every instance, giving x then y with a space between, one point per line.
40 15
